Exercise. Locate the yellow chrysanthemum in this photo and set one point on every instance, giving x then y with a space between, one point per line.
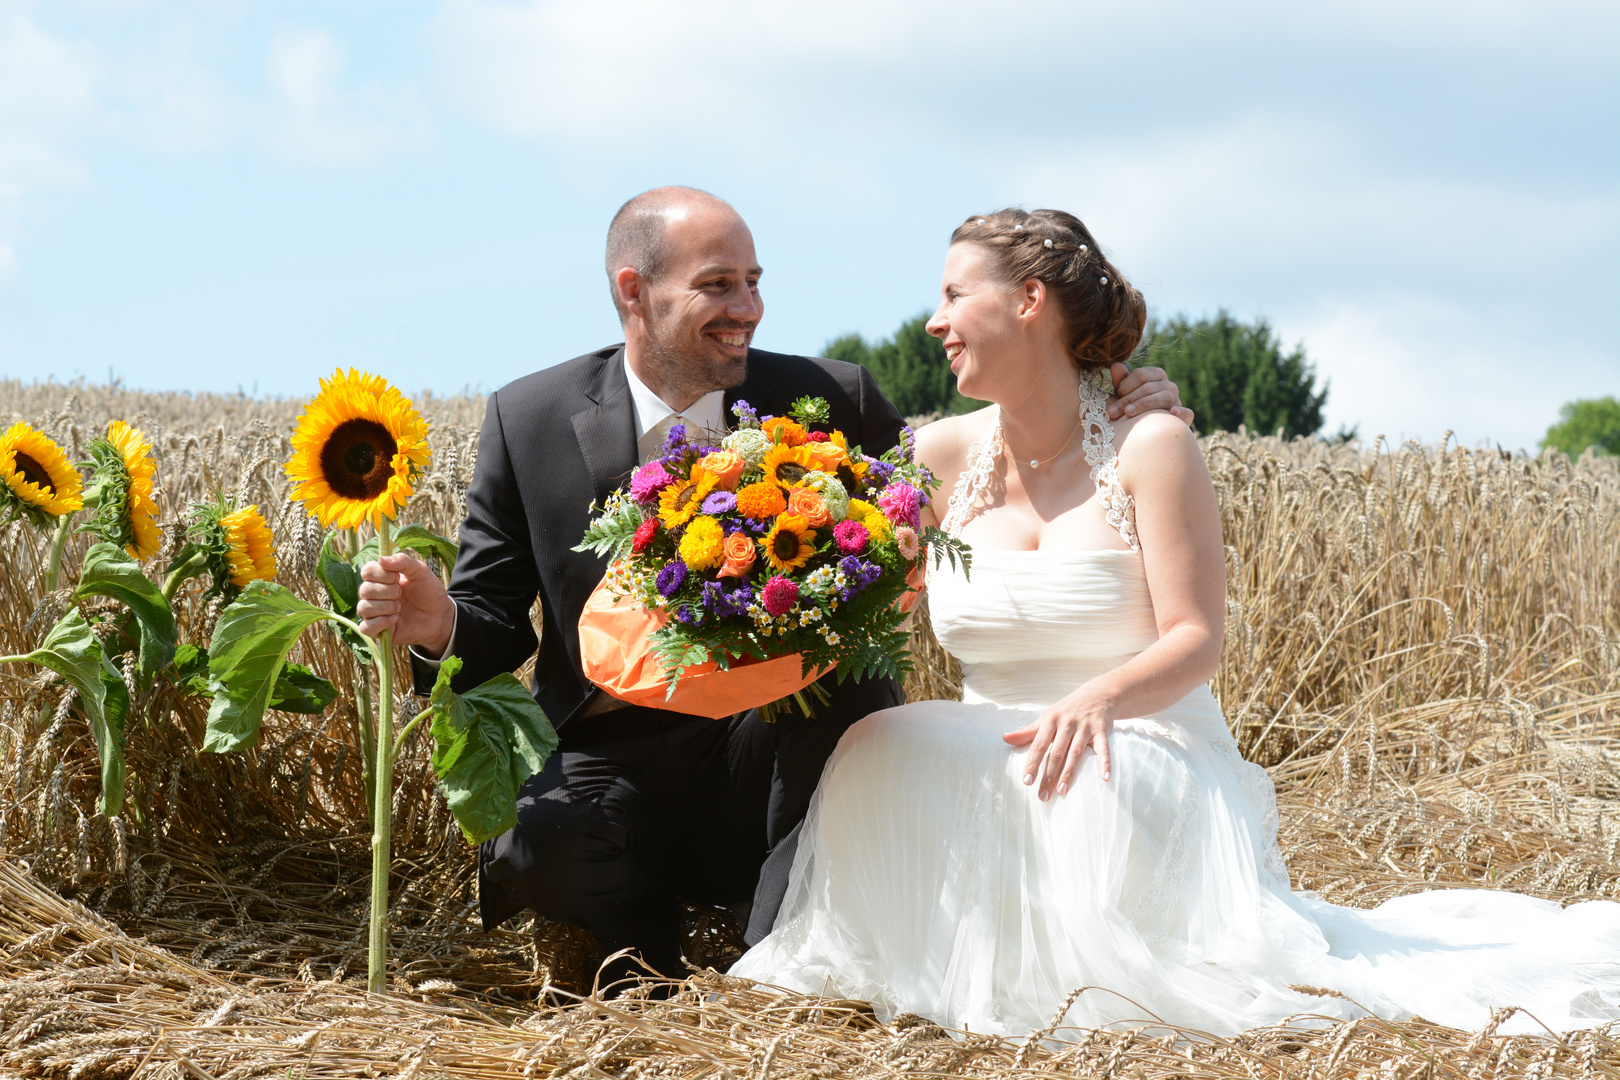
358 450
876 521
137 524
252 549
789 544
38 474
786 465
703 546
679 502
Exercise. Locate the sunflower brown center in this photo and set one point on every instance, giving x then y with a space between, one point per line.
785 546
34 472
789 473
684 499
358 459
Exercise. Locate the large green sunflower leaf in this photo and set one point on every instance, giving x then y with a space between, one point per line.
73 652
250 646
486 743
109 571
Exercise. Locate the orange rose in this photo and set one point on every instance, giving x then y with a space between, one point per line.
726 466
828 457
739 554
809 505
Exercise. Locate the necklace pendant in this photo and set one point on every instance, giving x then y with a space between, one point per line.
1034 464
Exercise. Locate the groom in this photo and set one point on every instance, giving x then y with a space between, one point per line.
639 808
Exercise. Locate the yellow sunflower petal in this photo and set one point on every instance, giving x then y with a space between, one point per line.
38 473
357 451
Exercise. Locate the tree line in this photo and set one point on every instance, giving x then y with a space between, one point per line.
1231 374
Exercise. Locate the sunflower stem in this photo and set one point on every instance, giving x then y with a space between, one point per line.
183 573
53 569
365 723
382 806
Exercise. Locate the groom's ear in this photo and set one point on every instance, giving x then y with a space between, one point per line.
627 283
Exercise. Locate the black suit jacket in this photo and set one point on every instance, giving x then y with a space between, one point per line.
554 442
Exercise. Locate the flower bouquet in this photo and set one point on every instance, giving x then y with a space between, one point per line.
741 573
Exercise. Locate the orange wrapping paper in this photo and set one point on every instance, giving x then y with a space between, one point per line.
616 653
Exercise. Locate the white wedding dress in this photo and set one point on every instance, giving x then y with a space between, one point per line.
930 880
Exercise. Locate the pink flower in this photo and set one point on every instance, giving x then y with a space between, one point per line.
852 537
905 538
816 436
779 596
903 504
648 481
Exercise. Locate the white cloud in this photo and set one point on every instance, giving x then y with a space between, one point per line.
711 74
318 120
1430 302
47 98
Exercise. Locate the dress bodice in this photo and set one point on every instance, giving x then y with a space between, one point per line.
1029 626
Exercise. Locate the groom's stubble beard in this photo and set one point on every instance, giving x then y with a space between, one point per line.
686 366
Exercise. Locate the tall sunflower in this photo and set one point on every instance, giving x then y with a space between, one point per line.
121 490
39 483
359 447
789 544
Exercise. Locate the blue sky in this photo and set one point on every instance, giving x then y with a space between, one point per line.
225 194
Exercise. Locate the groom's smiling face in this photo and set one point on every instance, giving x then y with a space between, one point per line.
702 309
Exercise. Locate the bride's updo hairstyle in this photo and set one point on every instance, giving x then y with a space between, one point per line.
1103 313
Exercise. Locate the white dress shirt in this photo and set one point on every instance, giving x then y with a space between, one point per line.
654 418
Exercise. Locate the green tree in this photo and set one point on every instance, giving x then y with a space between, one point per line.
1233 373
1588 422
910 368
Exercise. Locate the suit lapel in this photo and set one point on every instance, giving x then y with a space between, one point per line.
607 430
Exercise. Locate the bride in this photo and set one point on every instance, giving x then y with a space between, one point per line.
1083 818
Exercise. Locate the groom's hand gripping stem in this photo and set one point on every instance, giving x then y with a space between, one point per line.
400 593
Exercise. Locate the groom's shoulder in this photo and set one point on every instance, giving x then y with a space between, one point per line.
815 376
567 386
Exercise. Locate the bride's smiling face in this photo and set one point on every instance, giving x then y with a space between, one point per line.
981 322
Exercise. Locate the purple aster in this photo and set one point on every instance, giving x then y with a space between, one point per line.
878 472
671 578
858 574
720 502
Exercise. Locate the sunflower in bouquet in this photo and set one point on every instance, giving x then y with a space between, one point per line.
782 542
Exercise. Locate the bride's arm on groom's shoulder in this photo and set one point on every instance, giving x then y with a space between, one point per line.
1178 526
1145 390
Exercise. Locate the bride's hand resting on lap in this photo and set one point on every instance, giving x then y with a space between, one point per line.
1059 739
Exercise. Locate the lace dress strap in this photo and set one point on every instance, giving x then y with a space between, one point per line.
1102 456
973 485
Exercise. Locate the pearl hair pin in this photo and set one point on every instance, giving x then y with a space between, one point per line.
1083 248
1048 243
1103 280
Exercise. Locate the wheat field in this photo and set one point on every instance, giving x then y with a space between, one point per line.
1423 648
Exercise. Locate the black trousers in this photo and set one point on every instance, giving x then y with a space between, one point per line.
640 809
